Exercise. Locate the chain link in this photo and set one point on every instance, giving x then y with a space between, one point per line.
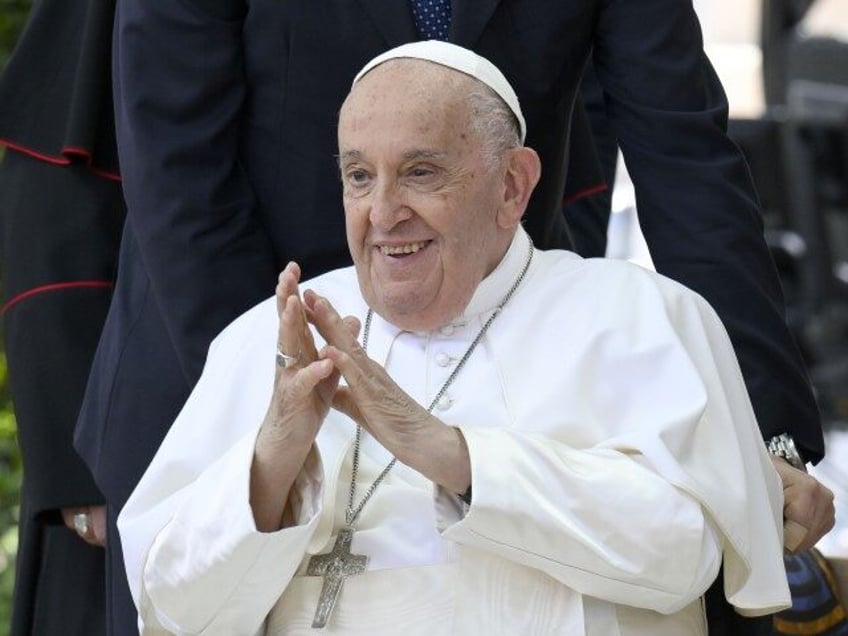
351 513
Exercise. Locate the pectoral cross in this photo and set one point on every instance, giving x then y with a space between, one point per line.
334 566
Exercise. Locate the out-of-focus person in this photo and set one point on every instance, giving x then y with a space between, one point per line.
61 212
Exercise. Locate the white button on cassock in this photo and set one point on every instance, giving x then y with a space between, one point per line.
443 359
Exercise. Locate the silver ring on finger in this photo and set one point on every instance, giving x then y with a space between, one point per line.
285 360
82 523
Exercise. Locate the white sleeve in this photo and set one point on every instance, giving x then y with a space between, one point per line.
597 520
195 561
218 579
648 473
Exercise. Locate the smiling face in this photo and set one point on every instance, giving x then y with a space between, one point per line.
424 208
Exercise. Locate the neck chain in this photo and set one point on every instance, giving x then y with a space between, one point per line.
351 513
340 563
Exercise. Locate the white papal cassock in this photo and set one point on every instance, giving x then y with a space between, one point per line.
615 461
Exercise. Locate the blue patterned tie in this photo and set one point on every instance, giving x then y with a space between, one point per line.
432 18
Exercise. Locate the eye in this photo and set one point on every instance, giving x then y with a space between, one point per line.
356 177
419 172
424 175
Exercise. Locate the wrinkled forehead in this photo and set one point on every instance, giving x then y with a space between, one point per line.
387 118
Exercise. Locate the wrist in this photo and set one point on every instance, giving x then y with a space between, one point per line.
442 456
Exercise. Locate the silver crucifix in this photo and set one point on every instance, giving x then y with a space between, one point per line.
334 566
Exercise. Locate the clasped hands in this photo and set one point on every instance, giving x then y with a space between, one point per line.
808 508
306 389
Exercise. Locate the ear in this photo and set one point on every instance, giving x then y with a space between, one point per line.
523 169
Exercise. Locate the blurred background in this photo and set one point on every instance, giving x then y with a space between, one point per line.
13 14
784 65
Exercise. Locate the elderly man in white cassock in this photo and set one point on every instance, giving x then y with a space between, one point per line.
461 434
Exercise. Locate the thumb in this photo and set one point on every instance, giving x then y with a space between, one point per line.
344 403
793 535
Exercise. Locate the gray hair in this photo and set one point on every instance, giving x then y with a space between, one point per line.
495 123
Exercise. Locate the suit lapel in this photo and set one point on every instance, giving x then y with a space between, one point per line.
468 19
393 19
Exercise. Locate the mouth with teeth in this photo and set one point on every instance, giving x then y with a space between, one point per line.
400 251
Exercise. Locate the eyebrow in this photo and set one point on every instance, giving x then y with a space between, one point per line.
424 154
355 155
348 155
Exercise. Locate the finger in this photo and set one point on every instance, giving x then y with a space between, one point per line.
289 338
342 346
287 283
98 524
810 503
307 341
828 520
823 516
295 414
294 401
793 536
332 328
83 526
344 402
68 516
91 539
304 381
286 290
353 325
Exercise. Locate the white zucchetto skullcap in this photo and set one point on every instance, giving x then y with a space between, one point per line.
459 59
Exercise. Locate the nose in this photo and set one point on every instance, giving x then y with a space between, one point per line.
388 206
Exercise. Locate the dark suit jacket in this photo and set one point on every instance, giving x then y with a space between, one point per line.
226 121
61 212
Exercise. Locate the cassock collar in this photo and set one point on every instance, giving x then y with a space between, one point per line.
494 287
